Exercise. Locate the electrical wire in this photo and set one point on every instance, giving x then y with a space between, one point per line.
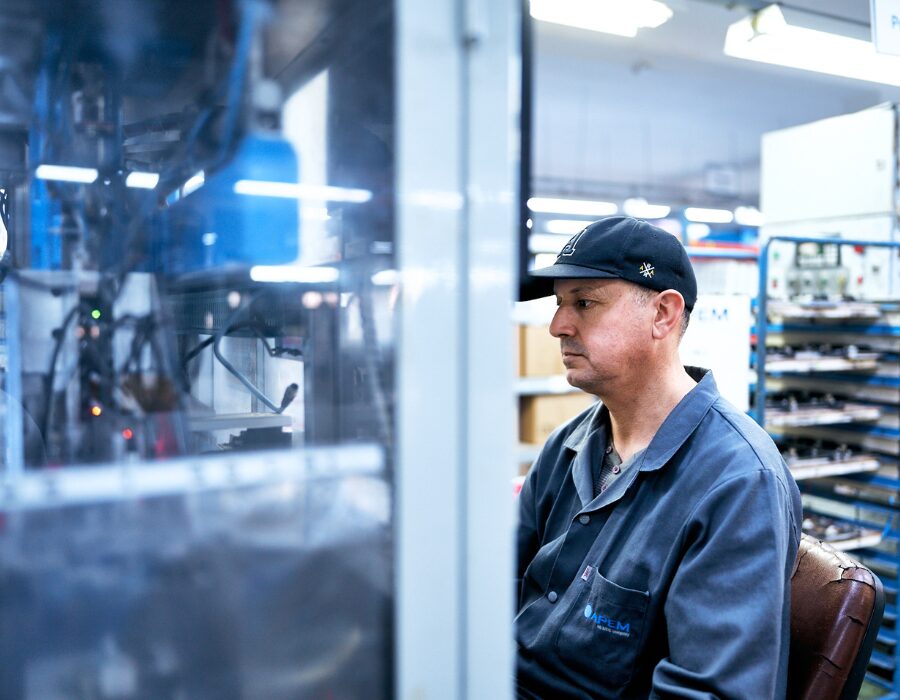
49 391
217 339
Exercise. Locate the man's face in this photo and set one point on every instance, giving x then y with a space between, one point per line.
604 332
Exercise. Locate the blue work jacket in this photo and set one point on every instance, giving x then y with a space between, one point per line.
673 583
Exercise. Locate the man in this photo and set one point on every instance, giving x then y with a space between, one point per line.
658 529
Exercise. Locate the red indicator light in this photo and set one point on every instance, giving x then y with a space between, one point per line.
127 434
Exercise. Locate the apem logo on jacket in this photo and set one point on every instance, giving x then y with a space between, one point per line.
607 624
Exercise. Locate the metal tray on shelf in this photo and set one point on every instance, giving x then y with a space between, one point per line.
822 363
882 443
864 387
817 467
837 310
840 534
803 415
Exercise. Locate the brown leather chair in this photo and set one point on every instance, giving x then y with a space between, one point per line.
836 609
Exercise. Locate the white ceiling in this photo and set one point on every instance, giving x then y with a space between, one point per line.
656 114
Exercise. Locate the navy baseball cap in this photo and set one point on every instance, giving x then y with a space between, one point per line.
621 247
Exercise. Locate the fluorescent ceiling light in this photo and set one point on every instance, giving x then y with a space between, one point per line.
748 216
144 181
620 17
293 190
573 207
639 208
66 173
695 231
566 226
293 273
768 37
709 216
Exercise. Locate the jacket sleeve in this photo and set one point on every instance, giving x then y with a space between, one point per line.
728 609
528 539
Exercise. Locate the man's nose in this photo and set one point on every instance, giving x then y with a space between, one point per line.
561 325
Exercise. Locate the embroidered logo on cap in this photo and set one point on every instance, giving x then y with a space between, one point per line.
569 248
647 270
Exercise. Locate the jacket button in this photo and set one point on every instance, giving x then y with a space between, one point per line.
584 519
551 596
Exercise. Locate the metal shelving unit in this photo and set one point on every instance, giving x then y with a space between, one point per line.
862 490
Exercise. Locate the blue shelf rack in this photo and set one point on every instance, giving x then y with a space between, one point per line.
873 497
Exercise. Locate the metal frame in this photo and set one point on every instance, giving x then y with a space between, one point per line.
457 83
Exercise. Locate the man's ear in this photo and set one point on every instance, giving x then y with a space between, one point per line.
669 310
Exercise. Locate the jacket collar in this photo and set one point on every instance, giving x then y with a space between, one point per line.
675 429
682 421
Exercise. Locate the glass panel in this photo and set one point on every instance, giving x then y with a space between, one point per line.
199 200
202 231
259 580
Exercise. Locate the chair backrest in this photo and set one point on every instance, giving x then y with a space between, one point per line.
836 609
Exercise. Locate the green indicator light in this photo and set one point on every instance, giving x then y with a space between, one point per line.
95 314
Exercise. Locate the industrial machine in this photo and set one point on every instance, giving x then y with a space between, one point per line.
197 200
198 266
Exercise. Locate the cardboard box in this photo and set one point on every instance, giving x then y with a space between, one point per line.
541 415
539 354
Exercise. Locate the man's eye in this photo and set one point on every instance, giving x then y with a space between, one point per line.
583 303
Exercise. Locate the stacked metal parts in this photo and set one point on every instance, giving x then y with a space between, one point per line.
828 386
828 338
199 205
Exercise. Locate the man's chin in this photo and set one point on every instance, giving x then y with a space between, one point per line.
579 381
572 376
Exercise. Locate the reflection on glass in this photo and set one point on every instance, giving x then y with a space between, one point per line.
199 200
203 188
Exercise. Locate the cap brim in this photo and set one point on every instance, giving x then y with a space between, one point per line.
539 283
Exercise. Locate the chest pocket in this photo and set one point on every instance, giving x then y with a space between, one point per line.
602 633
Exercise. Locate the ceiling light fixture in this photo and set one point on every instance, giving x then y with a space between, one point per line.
640 209
141 180
294 190
619 17
708 216
807 41
293 273
572 207
748 216
65 173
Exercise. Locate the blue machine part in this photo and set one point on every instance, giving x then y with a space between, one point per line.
46 212
46 247
210 227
